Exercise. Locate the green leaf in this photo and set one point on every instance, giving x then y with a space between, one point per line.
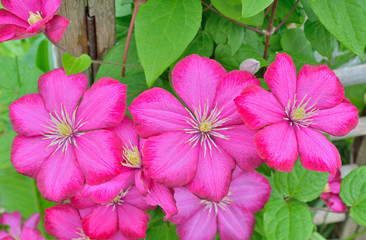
159 229
73 65
176 22
345 19
287 220
283 9
115 56
5 146
234 12
319 37
302 184
300 60
42 56
251 8
294 40
223 31
353 194
17 79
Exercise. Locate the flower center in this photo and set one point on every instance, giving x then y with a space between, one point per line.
82 235
300 114
205 125
213 205
62 129
118 200
326 188
131 156
34 18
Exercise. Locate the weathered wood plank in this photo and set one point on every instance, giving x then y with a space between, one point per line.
353 75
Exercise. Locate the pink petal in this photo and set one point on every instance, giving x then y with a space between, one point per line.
157 111
337 121
317 153
22 8
213 175
103 105
235 223
28 154
13 220
59 91
60 176
107 191
62 221
7 32
126 132
9 18
169 159
31 234
162 196
4 235
320 85
142 181
38 27
99 154
335 187
135 198
258 107
132 221
101 223
187 204
80 202
240 146
8 238
202 225
195 80
277 143
119 236
50 7
28 116
281 78
229 88
335 203
56 28
250 191
32 221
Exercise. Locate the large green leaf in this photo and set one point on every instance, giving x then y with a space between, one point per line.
5 146
251 8
353 194
287 220
302 184
234 12
159 229
294 40
319 37
345 19
163 30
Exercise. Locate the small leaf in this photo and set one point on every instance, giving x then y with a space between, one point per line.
176 22
353 194
73 65
319 37
287 220
302 184
345 19
251 8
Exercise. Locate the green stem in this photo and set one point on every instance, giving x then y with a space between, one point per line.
356 234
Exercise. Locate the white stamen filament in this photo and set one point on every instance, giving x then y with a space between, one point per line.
213 205
118 200
82 235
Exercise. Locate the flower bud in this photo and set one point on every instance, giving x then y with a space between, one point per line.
251 65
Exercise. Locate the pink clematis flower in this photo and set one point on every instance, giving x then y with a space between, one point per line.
27 18
331 191
17 231
292 114
62 142
132 162
196 147
233 216
124 215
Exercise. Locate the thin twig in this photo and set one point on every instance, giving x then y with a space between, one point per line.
232 20
269 29
320 209
265 14
288 15
130 29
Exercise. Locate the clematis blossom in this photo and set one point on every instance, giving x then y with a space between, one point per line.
29 229
292 116
27 18
124 215
331 191
155 194
64 143
233 216
196 146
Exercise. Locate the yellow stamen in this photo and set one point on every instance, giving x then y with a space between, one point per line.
64 129
205 127
34 18
326 188
132 156
298 114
